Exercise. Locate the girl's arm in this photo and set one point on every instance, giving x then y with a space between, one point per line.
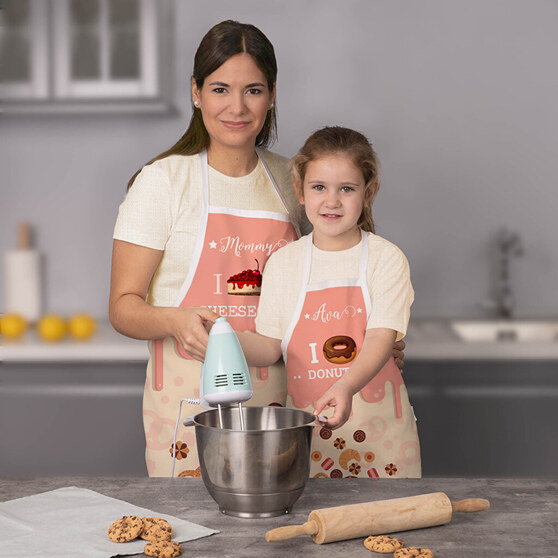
259 350
133 267
376 350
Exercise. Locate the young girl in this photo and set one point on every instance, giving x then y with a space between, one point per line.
332 304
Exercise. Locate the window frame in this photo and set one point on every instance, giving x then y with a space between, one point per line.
66 87
37 87
51 89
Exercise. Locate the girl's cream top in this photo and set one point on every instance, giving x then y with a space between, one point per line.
388 278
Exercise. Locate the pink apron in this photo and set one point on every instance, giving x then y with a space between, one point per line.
229 242
325 335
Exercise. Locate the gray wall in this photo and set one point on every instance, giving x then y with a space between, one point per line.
458 97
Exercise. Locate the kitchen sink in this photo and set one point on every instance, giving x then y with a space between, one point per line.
506 330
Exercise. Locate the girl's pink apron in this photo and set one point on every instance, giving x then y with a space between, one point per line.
229 241
380 439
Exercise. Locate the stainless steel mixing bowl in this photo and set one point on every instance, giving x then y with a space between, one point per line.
260 471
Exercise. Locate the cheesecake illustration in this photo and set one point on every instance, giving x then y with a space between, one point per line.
247 282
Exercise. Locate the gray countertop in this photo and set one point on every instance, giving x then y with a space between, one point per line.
522 521
436 340
427 339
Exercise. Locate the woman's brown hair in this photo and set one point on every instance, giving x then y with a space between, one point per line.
220 43
336 139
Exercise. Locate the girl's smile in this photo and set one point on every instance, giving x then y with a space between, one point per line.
333 196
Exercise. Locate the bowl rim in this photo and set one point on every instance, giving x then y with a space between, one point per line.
312 421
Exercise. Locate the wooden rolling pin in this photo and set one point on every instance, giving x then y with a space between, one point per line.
377 518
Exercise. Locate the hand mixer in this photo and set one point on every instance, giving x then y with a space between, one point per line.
225 378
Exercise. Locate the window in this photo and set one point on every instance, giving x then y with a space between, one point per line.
23 50
82 52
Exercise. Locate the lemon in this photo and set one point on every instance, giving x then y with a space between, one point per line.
51 327
82 326
12 325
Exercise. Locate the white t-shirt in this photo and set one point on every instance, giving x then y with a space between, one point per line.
388 278
162 210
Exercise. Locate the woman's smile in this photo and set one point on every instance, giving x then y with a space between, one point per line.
232 125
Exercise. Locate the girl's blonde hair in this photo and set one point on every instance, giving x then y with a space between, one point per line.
338 140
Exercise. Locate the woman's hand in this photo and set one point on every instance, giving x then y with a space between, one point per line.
341 399
133 268
399 355
191 329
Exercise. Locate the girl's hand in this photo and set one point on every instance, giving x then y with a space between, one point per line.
341 399
191 329
399 355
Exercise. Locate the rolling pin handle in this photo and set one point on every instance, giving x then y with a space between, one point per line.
470 505
292 531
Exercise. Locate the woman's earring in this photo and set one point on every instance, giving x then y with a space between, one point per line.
196 103
271 106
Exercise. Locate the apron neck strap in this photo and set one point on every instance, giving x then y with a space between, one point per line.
363 256
205 181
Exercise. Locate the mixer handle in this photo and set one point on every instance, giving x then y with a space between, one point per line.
189 421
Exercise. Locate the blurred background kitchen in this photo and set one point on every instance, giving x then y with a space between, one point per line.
459 99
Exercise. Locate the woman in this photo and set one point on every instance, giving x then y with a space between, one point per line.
212 206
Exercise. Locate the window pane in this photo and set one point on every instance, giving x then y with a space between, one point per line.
123 12
124 39
86 46
15 61
15 12
85 12
86 63
124 54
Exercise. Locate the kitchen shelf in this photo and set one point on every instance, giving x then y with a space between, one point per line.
426 340
435 340
105 346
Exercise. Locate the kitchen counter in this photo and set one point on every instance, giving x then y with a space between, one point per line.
522 521
106 345
435 340
427 340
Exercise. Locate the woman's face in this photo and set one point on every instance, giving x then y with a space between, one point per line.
234 101
333 196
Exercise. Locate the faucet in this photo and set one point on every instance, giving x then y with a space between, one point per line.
509 245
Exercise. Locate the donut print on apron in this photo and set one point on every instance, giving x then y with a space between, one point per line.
229 242
325 335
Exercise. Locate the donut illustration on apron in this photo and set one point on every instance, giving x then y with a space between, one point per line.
231 246
325 335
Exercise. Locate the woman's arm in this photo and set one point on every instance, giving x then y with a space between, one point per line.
133 267
259 350
376 350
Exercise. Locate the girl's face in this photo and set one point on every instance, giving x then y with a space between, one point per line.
234 101
333 196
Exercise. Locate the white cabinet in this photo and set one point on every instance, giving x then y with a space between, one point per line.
85 54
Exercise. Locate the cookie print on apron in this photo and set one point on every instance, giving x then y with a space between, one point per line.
230 242
324 337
